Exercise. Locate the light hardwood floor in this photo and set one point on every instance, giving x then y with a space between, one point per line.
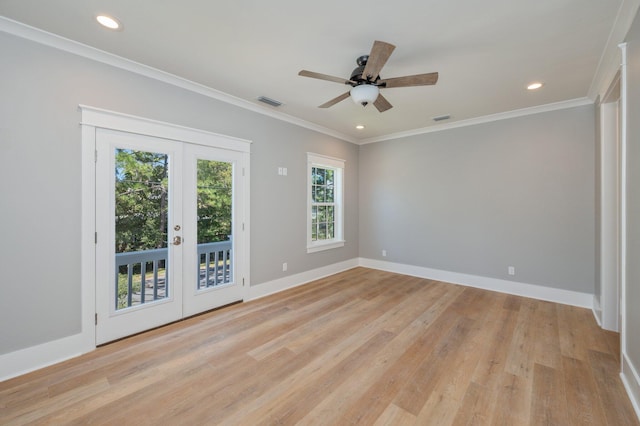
361 347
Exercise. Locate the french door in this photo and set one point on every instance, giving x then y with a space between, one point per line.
168 221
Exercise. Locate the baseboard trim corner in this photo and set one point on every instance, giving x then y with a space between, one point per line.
597 311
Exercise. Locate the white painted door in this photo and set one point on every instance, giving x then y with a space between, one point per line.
212 191
166 217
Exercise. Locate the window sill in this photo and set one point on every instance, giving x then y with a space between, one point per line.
325 246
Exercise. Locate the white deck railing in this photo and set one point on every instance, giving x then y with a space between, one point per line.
214 269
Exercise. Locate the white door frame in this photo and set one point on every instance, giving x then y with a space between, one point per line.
610 201
623 214
94 118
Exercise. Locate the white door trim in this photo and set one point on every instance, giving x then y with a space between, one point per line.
94 118
609 296
623 196
105 119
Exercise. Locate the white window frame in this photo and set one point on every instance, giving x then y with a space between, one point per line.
337 165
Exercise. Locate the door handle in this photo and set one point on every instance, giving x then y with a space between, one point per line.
177 240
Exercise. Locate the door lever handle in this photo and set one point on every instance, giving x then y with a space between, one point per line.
177 240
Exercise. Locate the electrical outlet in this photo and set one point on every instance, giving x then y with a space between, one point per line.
384 253
284 267
511 270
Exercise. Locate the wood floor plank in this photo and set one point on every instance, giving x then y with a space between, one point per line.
464 361
362 327
513 401
28 413
582 395
363 400
391 372
418 389
548 397
492 364
395 416
361 347
293 406
439 410
617 407
521 351
476 408
573 342
546 347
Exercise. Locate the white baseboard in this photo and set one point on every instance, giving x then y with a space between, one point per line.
631 381
270 287
597 311
567 297
26 360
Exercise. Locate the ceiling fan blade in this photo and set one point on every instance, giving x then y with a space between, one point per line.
326 77
410 80
335 100
379 55
382 104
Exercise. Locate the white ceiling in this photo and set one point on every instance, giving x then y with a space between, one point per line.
485 51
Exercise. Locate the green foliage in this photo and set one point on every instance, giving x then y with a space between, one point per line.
214 201
142 190
322 210
142 182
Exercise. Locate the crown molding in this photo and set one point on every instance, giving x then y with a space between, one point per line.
61 43
484 119
609 63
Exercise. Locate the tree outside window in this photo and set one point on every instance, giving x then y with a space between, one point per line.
325 210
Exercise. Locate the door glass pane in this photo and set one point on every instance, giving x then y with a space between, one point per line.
214 209
141 224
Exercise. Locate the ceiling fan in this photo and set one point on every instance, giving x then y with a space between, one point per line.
365 80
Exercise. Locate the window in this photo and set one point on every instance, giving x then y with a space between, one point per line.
325 211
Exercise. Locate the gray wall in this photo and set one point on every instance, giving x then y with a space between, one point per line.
475 200
633 196
40 200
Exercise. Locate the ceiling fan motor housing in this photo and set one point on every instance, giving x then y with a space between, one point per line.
357 73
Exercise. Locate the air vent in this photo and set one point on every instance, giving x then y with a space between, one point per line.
269 101
441 117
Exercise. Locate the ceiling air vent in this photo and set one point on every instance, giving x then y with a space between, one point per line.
269 101
441 117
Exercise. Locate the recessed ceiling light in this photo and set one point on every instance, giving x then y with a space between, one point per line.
359 127
535 86
108 22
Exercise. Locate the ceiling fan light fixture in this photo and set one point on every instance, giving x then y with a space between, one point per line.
365 94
